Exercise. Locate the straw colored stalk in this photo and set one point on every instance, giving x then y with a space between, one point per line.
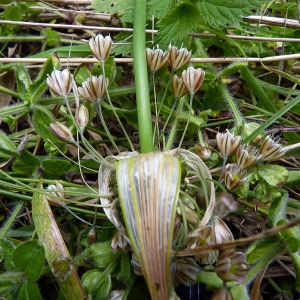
148 186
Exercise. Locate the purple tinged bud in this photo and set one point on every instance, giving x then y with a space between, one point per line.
101 46
156 59
193 78
179 88
82 116
61 131
178 58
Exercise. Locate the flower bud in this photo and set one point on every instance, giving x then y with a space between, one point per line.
246 156
227 143
156 59
193 78
101 46
179 88
82 117
92 237
178 58
60 82
231 266
56 190
203 151
61 131
119 241
225 204
116 295
184 271
234 176
270 150
221 232
93 88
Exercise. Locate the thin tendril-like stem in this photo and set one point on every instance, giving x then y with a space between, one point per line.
113 109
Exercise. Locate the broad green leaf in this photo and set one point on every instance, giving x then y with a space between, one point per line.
182 19
259 248
7 252
56 166
26 163
124 274
29 258
278 208
293 179
273 174
23 81
52 37
291 237
148 186
102 254
218 13
6 145
29 291
103 289
239 292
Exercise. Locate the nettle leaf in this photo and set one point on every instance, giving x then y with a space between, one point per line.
29 257
178 23
219 13
273 174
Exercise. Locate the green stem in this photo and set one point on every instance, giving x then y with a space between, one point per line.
238 118
141 77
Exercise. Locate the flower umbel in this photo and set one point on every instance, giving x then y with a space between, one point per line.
227 143
270 150
101 46
246 156
193 78
60 82
156 59
234 176
179 88
93 88
231 266
178 58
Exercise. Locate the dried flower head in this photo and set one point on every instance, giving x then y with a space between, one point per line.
193 78
93 88
101 46
184 271
61 131
82 116
227 143
60 82
156 59
178 58
234 176
231 266
246 156
270 150
179 88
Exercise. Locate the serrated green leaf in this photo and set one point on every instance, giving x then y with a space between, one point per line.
6 145
102 254
273 174
26 163
291 237
178 23
29 291
29 258
219 13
